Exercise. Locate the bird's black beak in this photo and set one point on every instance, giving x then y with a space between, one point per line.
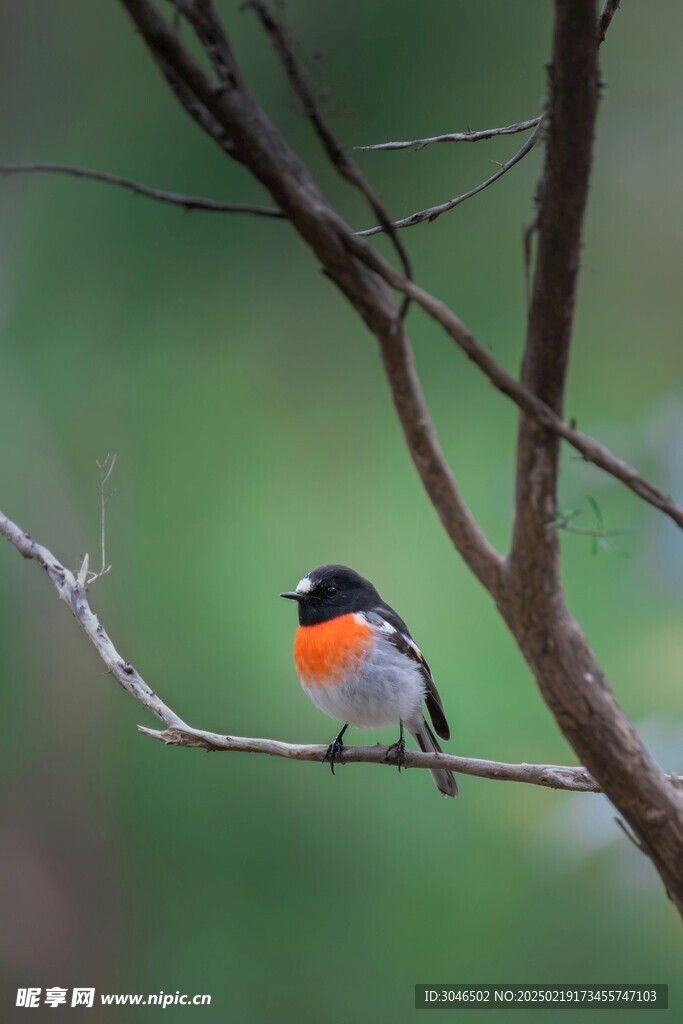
292 595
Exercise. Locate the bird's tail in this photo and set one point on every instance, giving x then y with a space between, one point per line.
427 742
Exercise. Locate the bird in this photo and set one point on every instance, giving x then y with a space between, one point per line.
357 662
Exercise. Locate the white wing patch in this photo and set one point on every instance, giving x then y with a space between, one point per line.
375 622
380 623
411 643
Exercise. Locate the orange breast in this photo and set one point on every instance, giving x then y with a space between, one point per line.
329 650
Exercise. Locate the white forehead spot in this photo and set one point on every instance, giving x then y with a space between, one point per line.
304 586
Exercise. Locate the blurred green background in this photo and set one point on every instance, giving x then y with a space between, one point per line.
255 440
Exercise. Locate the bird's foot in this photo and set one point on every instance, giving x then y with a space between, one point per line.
397 752
335 752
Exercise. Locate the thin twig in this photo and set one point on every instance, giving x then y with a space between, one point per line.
433 212
179 733
609 9
172 198
105 467
630 835
469 136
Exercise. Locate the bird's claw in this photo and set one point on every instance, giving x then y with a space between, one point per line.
335 753
397 752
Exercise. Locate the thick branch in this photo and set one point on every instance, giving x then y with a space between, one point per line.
72 590
161 196
432 212
563 195
488 133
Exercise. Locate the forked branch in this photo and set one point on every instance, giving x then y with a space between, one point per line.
432 212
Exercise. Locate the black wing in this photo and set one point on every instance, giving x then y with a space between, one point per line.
399 636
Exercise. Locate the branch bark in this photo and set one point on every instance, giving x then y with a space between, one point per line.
563 194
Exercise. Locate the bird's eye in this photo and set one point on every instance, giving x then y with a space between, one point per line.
330 590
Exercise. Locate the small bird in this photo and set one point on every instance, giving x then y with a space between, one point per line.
359 664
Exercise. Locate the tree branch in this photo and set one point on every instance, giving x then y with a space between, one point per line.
551 776
609 9
469 136
433 212
563 194
172 198
179 733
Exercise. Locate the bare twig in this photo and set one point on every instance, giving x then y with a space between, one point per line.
172 198
105 467
179 733
549 775
469 136
609 9
433 212
630 836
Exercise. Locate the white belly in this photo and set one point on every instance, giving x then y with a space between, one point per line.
386 689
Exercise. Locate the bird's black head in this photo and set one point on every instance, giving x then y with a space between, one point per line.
330 591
